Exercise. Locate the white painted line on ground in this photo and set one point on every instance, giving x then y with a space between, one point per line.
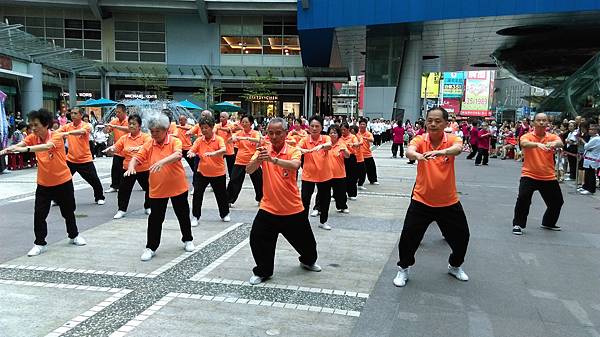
287 287
185 255
219 261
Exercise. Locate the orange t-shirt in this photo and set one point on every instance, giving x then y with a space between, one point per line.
195 130
186 141
360 158
170 181
52 164
280 188
124 143
538 164
435 185
366 146
246 148
79 145
294 139
336 160
117 134
349 140
316 164
173 129
210 166
226 135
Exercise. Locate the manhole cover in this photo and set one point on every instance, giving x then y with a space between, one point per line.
273 332
334 265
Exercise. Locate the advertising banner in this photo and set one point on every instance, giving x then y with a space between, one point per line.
477 94
453 84
431 81
452 105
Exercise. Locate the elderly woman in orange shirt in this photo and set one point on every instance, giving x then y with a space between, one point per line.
129 145
167 181
316 170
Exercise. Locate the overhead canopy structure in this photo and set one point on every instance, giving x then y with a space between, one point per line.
190 72
21 45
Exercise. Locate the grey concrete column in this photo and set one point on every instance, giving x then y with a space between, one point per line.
33 92
104 86
305 99
309 111
72 90
408 92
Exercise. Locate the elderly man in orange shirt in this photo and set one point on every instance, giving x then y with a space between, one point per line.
79 157
54 181
434 197
538 173
167 180
279 215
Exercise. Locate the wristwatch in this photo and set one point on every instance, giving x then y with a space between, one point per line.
28 149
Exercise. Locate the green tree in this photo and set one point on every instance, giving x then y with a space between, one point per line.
208 94
260 90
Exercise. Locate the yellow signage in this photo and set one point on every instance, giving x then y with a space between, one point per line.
431 83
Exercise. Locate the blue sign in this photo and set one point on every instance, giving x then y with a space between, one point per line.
453 84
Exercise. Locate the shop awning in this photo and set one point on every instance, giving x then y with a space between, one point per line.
21 45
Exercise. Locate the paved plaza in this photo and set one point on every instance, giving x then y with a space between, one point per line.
541 284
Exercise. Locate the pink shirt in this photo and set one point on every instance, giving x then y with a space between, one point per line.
483 142
398 134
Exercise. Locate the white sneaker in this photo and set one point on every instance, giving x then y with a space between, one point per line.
352 198
119 215
362 188
401 277
314 213
375 183
111 190
585 192
345 211
53 203
101 202
458 272
231 205
188 246
147 211
579 189
325 226
78 241
226 218
195 222
254 280
332 199
37 250
315 267
147 255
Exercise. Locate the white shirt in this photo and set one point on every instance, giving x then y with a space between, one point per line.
591 156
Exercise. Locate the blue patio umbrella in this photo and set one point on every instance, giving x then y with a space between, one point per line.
189 105
102 102
87 103
226 106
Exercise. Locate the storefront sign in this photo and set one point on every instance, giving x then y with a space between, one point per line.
452 105
85 95
453 84
260 98
140 96
477 94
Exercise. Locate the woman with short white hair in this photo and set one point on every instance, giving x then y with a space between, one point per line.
167 181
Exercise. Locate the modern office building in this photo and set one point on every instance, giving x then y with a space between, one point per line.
246 52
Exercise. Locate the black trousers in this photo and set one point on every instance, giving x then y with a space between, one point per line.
376 140
338 185
237 180
572 159
116 171
370 170
351 175
295 229
87 171
550 192
92 148
323 197
127 183
589 181
395 148
361 173
482 156
473 151
219 189
452 222
230 159
64 196
158 207
99 148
